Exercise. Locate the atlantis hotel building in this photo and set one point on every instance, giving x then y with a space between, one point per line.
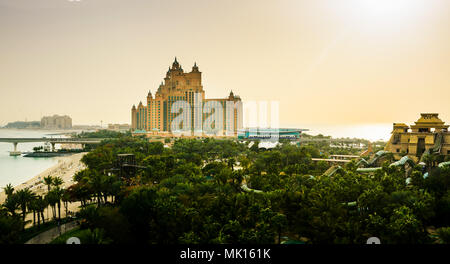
156 115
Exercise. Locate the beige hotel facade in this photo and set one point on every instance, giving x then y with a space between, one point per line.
155 116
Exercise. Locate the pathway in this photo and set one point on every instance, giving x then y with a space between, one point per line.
48 236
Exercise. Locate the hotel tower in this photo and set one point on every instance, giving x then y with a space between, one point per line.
156 115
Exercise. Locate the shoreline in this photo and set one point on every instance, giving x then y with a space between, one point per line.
65 168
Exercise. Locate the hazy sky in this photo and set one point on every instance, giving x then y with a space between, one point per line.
327 62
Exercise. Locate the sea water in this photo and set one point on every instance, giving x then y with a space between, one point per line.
17 170
372 132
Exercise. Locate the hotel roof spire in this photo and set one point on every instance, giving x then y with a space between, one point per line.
175 64
195 68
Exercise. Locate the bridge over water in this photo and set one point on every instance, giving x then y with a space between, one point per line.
52 141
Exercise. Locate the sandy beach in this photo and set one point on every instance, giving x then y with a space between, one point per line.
65 169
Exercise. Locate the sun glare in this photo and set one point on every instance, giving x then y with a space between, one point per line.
388 8
387 12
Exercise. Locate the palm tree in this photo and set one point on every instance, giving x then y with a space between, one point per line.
11 204
57 181
231 162
96 181
24 196
9 190
32 206
41 204
59 193
66 198
49 182
52 200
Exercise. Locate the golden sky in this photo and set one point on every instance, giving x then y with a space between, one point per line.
325 61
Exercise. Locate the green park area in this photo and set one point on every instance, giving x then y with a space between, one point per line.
211 191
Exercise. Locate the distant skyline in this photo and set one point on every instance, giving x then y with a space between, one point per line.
327 62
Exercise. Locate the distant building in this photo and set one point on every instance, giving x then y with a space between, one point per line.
56 122
86 127
23 125
119 127
155 116
428 135
266 134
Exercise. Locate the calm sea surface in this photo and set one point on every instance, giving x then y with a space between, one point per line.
372 132
16 170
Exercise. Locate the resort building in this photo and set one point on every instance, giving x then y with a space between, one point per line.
56 122
271 134
428 135
119 127
155 115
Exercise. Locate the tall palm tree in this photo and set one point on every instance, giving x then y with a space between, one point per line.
52 200
41 204
58 196
32 206
9 190
96 181
24 196
57 181
66 198
49 182
11 204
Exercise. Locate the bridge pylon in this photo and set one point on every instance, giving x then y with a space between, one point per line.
15 152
